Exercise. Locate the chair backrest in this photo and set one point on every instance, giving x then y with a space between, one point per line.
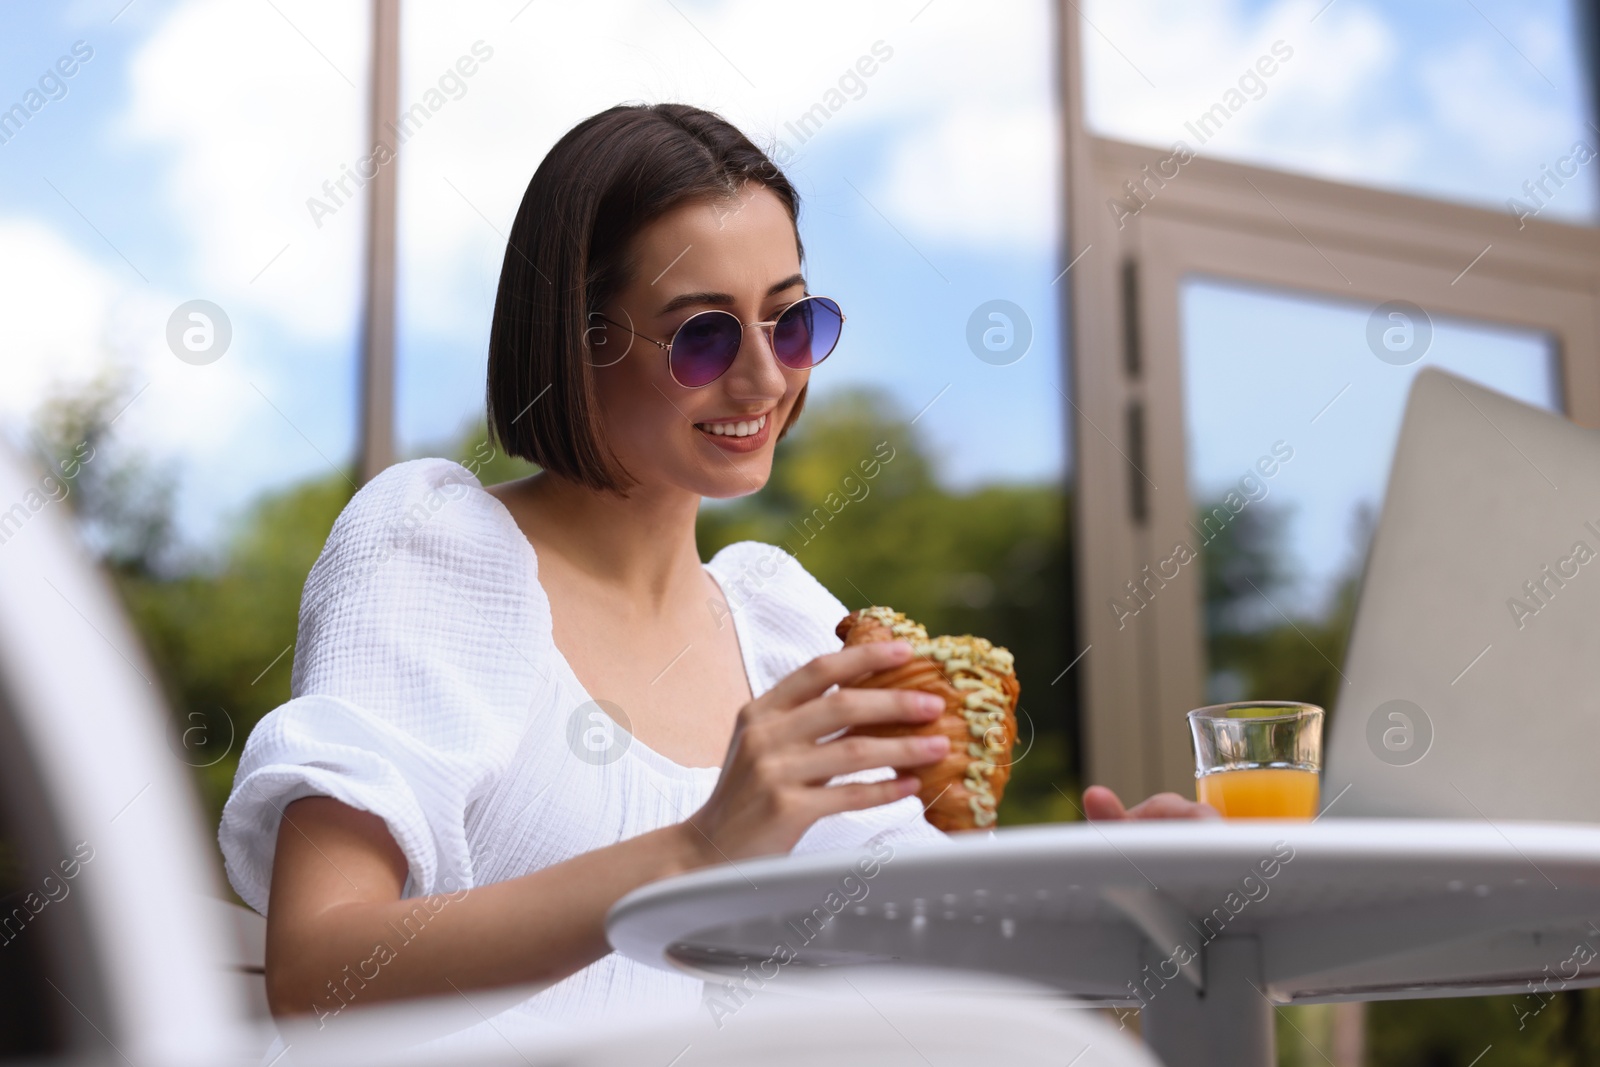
850 1015
89 773
246 952
866 1018
1470 685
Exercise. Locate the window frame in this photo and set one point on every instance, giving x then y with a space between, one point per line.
1262 227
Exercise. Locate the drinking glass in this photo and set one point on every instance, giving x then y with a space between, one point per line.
1258 759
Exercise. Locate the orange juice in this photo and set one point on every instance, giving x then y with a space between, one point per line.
1260 792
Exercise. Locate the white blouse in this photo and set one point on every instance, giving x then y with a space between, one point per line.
427 689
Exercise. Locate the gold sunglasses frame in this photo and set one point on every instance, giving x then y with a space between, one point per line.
768 325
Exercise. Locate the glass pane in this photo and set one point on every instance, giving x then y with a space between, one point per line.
1287 383
1484 102
924 139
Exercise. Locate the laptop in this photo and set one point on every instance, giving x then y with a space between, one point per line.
1471 688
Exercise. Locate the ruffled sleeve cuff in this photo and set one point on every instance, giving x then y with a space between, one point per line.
323 746
418 659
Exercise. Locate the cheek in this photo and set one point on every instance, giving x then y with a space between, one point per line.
637 400
638 376
795 395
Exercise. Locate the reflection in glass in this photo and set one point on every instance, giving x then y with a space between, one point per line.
1485 102
1292 407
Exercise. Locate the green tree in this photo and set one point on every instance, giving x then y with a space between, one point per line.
123 500
1254 649
223 638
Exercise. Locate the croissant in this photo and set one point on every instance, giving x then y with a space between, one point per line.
979 685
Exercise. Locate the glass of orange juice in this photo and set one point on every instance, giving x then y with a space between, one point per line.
1259 759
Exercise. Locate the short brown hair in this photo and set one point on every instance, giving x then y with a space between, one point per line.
606 178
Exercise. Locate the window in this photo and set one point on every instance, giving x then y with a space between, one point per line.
1287 405
1195 277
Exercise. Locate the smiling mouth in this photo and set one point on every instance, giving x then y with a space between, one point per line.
743 428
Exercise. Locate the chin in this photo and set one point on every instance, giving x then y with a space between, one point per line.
721 477
714 477
727 485
731 492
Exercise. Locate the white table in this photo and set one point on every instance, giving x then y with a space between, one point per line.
1355 909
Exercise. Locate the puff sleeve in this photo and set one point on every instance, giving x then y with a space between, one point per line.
418 655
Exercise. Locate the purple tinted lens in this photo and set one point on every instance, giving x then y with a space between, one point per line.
807 332
704 347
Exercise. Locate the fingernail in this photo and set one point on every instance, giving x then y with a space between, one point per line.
936 745
930 702
900 649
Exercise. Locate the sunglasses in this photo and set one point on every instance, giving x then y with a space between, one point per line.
705 346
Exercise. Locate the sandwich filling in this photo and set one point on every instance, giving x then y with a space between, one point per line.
973 667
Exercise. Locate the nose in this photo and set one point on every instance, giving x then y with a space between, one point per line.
756 373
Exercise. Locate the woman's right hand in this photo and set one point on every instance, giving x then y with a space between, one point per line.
774 779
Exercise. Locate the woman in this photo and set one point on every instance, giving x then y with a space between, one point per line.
443 805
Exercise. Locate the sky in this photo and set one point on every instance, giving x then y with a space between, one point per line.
176 163
179 162
1302 375
1444 98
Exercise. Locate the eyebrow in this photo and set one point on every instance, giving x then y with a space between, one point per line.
686 299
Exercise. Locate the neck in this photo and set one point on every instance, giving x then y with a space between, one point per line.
642 544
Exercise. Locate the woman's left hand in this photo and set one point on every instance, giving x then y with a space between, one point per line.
1100 803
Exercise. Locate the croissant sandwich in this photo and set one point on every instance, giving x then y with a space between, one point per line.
979 685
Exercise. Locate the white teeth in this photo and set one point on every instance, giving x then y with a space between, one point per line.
733 429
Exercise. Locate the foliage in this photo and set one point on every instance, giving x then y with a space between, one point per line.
1255 652
223 641
1244 567
1564 1032
122 500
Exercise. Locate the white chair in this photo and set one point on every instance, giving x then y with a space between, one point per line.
906 1019
245 953
860 1016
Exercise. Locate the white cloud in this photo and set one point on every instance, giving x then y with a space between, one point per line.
58 303
978 177
70 319
253 112
1489 107
972 84
977 158
1439 103
256 120
1150 68
249 119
